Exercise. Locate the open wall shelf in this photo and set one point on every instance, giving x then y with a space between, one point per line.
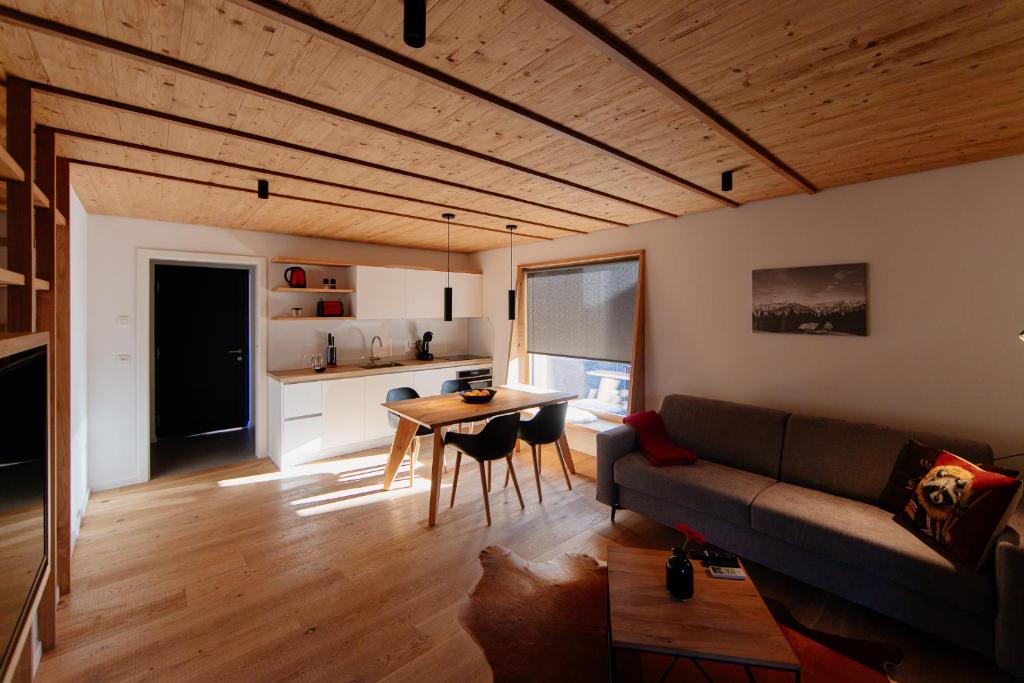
335 263
314 317
9 168
40 285
312 290
9 277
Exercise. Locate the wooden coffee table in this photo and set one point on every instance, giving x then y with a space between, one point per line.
724 621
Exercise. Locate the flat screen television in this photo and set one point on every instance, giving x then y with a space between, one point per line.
23 488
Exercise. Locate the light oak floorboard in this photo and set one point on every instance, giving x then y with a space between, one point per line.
242 573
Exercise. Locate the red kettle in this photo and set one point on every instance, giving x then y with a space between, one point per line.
295 277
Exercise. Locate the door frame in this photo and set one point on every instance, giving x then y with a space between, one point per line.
146 259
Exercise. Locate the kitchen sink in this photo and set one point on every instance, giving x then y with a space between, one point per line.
389 364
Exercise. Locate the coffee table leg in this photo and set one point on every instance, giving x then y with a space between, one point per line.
750 674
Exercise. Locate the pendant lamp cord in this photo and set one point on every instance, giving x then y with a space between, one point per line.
449 252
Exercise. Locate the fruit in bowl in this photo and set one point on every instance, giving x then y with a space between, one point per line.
477 395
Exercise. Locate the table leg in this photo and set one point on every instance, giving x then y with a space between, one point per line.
563 448
435 476
403 437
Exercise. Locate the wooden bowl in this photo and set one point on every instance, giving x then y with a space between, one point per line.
478 399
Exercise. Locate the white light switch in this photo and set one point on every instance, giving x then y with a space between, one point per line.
122 360
124 320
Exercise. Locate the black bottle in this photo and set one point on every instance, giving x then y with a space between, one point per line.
679 575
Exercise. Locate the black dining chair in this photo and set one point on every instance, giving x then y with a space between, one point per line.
546 427
454 386
495 441
403 394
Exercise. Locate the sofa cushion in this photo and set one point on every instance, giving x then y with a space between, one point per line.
866 537
733 434
654 443
854 459
725 492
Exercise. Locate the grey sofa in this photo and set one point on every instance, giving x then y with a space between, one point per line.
798 494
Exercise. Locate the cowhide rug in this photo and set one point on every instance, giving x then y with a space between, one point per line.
547 622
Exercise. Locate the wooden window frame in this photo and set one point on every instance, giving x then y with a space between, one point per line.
517 331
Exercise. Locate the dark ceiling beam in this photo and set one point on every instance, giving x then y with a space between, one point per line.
296 198
303 21
292 176
95 41
284 144
608 44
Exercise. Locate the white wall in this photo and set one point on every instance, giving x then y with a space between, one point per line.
113 243
79 225
946 301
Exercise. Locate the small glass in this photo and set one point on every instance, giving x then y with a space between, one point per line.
327 283
317 362
334 284
296 311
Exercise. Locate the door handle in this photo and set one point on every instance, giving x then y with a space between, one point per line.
237 352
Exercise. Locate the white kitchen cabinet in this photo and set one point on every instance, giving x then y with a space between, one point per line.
343 411
301 400
468 293
428 382
380 293
424 293
301 438
375 392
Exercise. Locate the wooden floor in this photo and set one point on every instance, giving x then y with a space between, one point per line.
243 573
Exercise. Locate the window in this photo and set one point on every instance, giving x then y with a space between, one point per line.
580 331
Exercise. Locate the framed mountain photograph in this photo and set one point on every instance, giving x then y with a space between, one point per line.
824 300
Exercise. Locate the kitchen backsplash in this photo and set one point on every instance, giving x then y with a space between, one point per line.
291 343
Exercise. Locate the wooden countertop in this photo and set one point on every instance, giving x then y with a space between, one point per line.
343 371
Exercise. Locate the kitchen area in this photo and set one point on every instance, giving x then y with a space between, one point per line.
341 335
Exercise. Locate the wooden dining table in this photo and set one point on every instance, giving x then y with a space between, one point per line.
436 412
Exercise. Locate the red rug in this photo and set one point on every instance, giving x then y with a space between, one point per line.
548 622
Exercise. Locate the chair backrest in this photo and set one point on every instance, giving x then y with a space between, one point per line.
454 386
498 437
399 394
547 425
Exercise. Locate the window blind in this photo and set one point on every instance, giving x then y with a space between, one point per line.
582 311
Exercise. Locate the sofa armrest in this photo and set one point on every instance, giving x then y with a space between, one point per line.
612 445
1009 559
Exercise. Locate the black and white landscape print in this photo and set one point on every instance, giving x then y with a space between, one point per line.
812 300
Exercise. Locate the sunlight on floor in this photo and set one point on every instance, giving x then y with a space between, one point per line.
360 479
340 466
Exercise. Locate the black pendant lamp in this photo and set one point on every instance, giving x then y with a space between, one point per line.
448 289
415 27
511 277
263 188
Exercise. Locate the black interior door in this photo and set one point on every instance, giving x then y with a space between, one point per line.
201 332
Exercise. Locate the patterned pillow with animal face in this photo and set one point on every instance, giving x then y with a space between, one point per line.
962 508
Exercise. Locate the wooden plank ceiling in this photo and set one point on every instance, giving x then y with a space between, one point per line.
838 92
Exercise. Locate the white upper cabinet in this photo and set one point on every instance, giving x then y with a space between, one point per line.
380 293
424 293
343 421
397 293
468 292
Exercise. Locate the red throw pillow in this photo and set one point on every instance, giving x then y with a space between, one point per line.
962 508
654 443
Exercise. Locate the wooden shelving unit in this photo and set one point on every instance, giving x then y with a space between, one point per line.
9 277
333 263
314 317
9 168
312 290
40 285
39 198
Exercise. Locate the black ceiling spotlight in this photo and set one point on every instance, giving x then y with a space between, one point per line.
448 288
415 33
726 181
263 189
